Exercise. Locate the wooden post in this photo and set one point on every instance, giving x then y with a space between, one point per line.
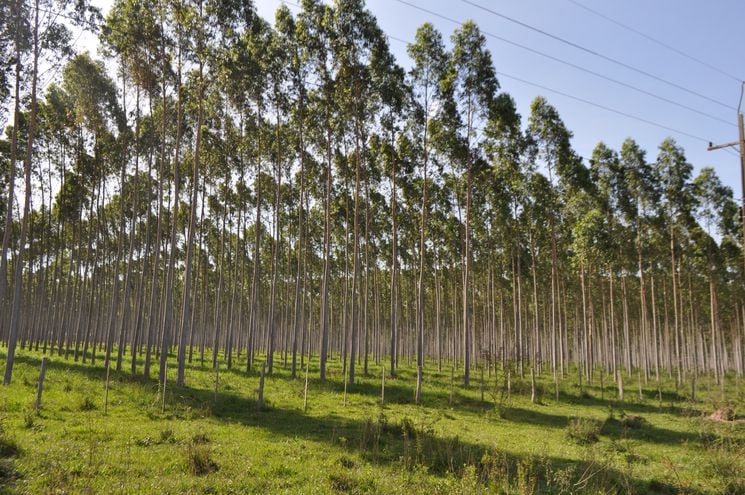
556 385
602 385
305 393
382 388
452 383
693 387
217 379
165 380
509 383
261 386
641 394
106 392
344 397
737 385
40 386
482 383
532 385
722 383
620 386
418 398
659 391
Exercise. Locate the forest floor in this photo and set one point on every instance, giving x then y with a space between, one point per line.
200 441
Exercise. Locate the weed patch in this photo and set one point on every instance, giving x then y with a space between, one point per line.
583 431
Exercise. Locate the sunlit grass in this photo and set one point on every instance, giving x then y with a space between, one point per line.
206 443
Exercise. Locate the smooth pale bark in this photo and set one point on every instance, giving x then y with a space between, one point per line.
15 315
168 324
394 266
325 317
8 226
355 261
275 258
187 295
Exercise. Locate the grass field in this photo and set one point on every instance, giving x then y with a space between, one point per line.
200 441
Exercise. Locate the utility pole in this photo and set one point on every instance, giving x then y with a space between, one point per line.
741 143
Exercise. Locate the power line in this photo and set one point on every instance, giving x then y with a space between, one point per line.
655 40
593 52
588 102
609 109
583 69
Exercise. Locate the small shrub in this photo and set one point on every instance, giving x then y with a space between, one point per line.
496 468
726 468
166 436
633 422
87 404
583 431
469 481
343 482
346 462
67 388
585 395
656 486
198 438
28 420
7 473
8 446
562 480
199 460
372 433
527 476
145 442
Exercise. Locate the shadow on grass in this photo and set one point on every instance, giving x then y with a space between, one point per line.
630 405
410 445
404 444
537 418
639 429
613 428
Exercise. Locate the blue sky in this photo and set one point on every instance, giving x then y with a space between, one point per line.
710 31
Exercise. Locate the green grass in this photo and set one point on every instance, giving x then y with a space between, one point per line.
499 445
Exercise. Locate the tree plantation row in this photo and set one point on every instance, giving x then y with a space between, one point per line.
230 188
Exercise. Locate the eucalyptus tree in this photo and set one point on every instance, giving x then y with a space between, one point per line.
162 65
10 35
243 68
512 213
16 21
315 24
49 36
637 205
277 79
551 138
182 24
426 75
288 32
132 33
204 16
673 172
394 103
600 242
75 137
94 99
472 81
360 54
712 200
